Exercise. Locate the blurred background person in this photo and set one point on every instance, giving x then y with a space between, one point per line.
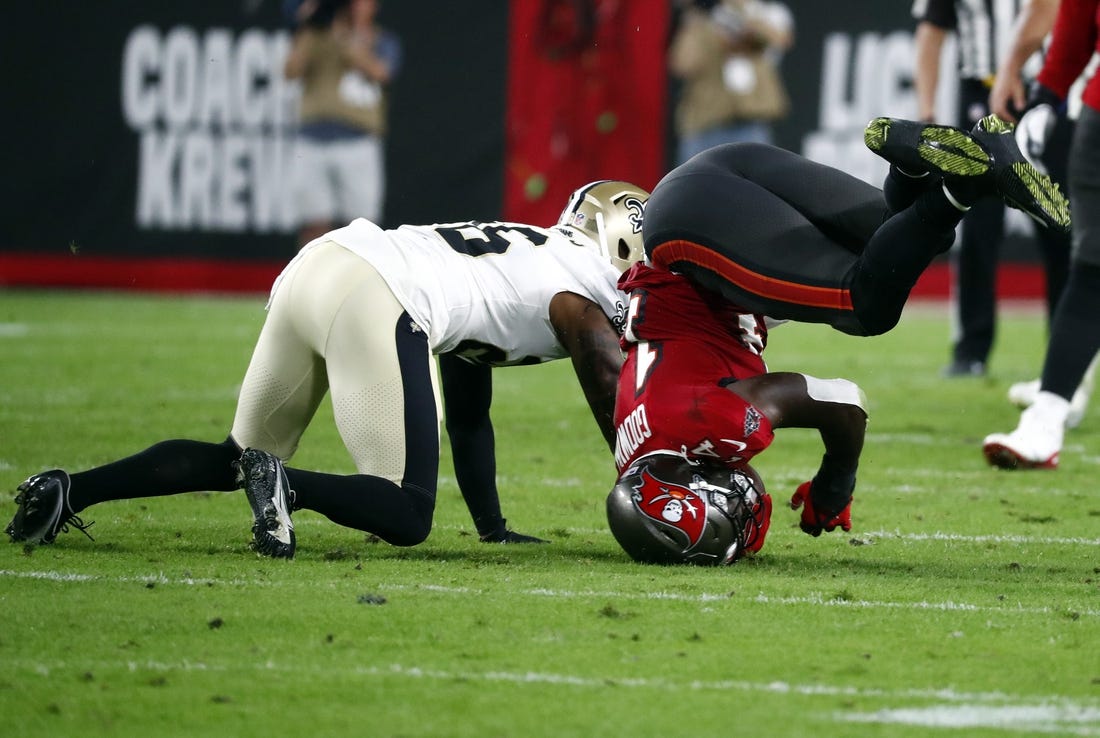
344 61
1044 137
984 30
1036 443
726 58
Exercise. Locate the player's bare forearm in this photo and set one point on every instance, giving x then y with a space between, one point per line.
833 406
597 367
593 345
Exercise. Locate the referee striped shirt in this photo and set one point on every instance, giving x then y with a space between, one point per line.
984 29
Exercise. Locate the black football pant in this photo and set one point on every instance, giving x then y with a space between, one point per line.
1075 330
782 236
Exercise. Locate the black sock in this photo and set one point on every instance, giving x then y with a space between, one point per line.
901 189
400 515
167 468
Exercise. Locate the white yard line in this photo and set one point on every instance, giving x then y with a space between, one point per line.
953 537
704 597
13 330
950 708
886 534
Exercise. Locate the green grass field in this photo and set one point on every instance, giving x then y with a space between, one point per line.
965 601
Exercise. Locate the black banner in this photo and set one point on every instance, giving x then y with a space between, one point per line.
164 130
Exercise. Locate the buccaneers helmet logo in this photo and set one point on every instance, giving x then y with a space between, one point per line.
671 504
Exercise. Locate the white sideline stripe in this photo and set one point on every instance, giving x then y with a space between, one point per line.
814 600
948 606
1068 719
56 576
1036 713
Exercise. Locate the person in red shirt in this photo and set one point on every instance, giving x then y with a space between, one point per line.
1036 443
743 235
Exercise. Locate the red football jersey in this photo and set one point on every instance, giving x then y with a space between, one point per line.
684 346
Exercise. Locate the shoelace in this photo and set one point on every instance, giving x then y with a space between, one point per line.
79 524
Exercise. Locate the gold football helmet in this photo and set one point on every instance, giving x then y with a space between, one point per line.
607 216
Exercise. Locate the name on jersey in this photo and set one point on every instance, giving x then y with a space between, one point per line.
631 433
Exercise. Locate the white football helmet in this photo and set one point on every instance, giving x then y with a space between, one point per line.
607 216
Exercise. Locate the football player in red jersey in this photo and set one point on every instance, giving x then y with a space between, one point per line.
744 231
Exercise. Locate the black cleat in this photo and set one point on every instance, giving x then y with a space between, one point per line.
1017 181
44 509
917 147
269 494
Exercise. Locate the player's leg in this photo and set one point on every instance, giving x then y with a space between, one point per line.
281 391
272 411
52 500
286 380
793 239
975 287
385 402
1075 332
166 468
741 235
1055 246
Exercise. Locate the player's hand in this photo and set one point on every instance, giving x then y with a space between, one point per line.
815 523
504 535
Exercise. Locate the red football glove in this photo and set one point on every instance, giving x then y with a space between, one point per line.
814 523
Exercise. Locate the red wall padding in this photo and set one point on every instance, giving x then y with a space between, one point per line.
586 100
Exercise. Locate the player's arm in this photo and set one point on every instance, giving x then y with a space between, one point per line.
1008 97
467 395
593 345
835 407
929 46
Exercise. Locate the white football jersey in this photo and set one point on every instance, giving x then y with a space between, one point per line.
483 290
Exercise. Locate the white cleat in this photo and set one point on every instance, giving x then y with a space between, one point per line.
1037 441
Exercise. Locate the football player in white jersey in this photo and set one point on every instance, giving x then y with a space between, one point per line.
359 313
